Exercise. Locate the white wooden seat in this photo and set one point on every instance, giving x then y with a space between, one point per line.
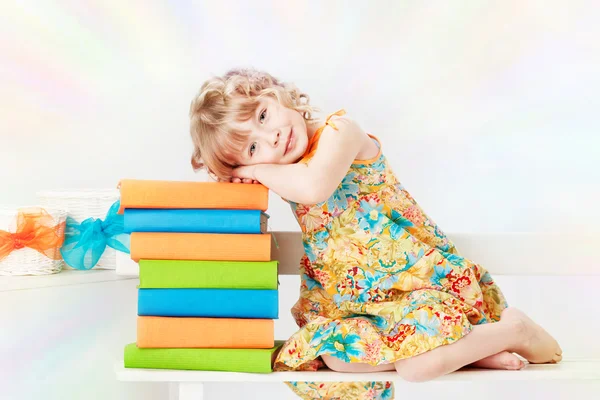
502 254
189 384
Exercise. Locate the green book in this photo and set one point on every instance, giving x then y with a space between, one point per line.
231 360
184 274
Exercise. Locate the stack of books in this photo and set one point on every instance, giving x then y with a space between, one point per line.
208 290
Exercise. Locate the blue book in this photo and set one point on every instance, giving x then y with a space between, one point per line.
195 220
216 303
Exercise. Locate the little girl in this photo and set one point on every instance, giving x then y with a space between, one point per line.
383 288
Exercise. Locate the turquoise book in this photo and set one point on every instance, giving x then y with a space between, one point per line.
195 220
215 303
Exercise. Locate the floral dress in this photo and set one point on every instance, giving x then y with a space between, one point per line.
380 281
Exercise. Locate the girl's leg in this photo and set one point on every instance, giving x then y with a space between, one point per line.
502 360
335 364
487 346
515 332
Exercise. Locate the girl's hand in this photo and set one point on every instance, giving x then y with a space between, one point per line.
244 174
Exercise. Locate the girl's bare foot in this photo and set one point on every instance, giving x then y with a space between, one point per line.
533 342
503 360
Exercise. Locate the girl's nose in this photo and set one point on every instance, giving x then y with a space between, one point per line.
276 141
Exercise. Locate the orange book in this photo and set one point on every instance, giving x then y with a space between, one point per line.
200 246
136 193
171 332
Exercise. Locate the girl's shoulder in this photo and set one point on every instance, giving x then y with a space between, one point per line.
341 126
371 146
340 120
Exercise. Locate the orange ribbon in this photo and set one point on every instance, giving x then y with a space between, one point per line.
36 229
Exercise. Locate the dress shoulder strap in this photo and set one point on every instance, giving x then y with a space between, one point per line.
314 140
329 122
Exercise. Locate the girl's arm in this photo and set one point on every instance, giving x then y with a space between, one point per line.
315 181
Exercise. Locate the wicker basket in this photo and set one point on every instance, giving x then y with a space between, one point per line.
26 261
82 204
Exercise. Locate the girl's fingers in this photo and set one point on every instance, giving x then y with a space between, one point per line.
242 180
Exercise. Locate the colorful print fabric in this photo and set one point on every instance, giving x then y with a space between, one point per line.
380 282
343 390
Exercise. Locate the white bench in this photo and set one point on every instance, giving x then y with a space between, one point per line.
514 254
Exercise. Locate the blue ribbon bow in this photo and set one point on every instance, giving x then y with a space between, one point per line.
84 243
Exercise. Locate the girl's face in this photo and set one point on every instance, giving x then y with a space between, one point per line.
277 135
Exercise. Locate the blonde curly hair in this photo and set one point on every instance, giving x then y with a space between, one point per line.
234 97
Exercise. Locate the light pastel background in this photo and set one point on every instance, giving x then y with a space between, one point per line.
487 111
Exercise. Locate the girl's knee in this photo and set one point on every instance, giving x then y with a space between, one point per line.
335 364
420 369
409 374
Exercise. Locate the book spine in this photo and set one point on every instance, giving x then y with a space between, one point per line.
155 274
216 303
200 246
194 221
193 195
173 332
232 360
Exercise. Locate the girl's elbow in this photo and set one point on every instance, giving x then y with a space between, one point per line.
310 193
303 196
318 194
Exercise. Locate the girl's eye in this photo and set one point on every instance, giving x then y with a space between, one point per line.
262 114
252 148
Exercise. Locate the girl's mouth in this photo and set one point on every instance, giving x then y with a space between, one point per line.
290 143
